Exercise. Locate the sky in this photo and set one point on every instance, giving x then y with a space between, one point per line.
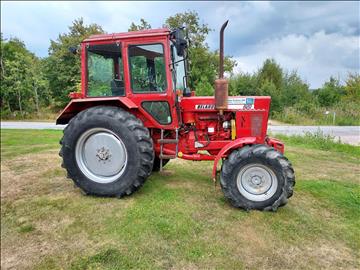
317 39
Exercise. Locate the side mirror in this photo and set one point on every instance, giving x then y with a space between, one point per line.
73 50
180 42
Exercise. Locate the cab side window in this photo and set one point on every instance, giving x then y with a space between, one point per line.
105 71
147 68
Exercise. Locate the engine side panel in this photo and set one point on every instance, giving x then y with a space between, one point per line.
209 130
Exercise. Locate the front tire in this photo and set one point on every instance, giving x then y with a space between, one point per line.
107 151
257 177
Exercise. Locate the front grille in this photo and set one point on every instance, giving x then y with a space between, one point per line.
256 125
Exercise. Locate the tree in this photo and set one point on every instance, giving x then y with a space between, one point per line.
330 93
270 72
268 88
40 85
144 25
352 87
243 84
196 31
204 64
21 89
62 67
294 90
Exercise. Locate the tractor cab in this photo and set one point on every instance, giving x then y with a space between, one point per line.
145 70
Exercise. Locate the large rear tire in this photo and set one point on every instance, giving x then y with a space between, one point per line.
257 177
107 151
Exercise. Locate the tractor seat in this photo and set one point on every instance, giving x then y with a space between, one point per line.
117 88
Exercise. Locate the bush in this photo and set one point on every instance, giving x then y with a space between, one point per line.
47 113
204 88
243 85
346 114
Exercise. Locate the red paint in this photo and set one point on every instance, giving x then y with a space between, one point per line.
277 144
238 143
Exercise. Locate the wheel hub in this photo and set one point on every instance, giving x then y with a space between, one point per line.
257 182
101 155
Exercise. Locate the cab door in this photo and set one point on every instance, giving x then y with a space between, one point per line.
149 83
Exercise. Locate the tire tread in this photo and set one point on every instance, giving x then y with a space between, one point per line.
141 134
259 151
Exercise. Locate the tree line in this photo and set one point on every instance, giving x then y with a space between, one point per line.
31 85
292 100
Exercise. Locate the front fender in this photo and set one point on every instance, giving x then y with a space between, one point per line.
232 145
77 105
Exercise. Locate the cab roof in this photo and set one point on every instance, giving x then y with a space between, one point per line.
132 34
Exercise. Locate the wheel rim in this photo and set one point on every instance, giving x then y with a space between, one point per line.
101 155
257 182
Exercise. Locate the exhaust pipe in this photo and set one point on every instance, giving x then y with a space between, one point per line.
221 84
221 69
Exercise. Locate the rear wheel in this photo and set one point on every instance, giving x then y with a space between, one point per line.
107 151
257 177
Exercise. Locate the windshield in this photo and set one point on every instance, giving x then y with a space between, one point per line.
179 70
147 68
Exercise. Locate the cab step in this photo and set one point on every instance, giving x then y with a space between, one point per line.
162 142
167 156
168 141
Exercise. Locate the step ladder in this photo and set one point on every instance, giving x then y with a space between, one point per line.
162 142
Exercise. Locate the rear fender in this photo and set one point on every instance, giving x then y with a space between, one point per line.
77 105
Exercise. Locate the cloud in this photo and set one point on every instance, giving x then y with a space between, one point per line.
316 57
318 39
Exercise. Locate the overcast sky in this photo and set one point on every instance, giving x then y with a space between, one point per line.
318 39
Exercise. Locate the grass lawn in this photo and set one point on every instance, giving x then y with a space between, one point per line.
178 220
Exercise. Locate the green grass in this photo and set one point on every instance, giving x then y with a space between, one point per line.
18 142
320 141
26 228
177 220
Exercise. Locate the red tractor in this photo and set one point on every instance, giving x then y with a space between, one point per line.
135 112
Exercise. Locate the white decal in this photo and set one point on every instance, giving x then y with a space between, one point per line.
244 107
243 103
205 106
236 101
240 101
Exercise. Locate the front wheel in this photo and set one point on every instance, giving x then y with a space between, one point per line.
257 177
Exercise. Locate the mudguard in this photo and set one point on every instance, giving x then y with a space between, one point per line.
77 105
272 142
232 145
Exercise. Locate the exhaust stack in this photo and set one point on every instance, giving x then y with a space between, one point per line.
221 84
